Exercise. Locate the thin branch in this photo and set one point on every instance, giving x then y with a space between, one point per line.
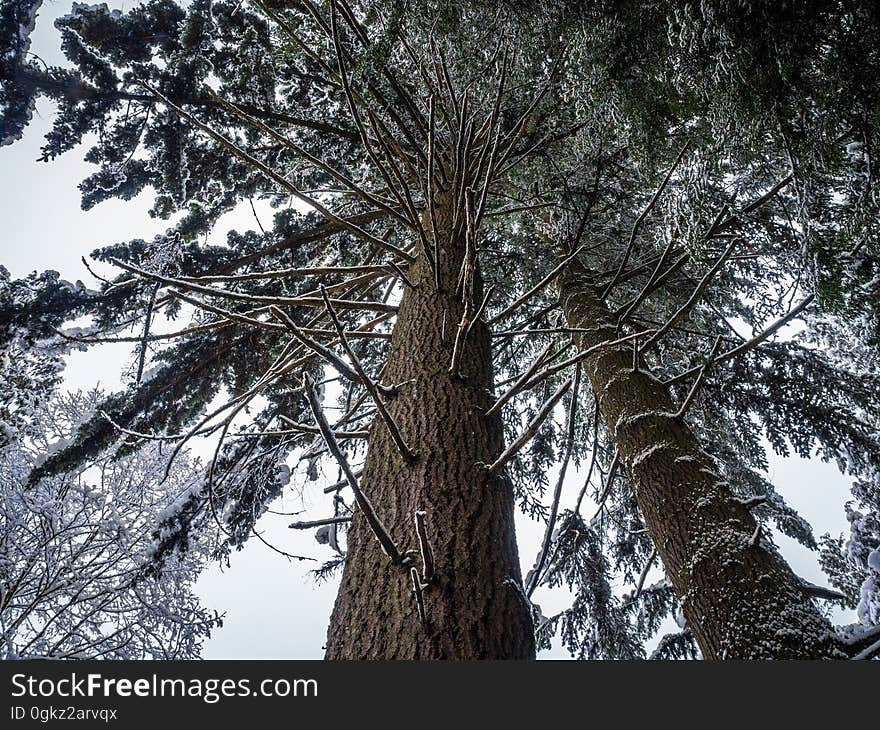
531 429
312 301
319 523
557 492
641 219
283 182
593 458
364 504
145 337
694 297
419 596
408 454
521 380
341 484
535 289
692 393
751 344
424 548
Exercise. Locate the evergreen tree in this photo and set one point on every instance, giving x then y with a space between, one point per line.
638 208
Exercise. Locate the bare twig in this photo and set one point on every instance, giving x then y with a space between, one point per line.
692 393
751 344
319 523
694 297
145 337
535 289
424 548
641 219
419 596
515 388
557 492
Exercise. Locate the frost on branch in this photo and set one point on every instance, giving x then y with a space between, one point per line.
72 549
17 20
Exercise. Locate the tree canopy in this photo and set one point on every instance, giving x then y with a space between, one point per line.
715 184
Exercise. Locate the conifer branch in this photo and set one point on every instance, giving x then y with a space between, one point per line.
145 337
341 484
521 380
531 429
306 301
317 162
814 591
280 180
582 355
752 502
295 427
593 459
287 273
692 393
335 361
644 575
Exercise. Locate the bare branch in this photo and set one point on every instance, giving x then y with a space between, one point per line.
419 596
521 380
641 219
531 429
557 492
408 454
694 297
535 289
280 180
311 301
364 504
319 523
424 548
751 344
699 381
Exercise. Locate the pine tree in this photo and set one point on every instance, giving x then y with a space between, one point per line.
492 210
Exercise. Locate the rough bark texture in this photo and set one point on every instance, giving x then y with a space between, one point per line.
740 599
475 607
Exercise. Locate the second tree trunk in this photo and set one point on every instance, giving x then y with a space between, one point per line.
740 599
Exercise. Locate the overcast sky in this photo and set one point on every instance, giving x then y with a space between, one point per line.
273 609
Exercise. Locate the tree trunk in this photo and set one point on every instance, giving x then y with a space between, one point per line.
475 608
739 597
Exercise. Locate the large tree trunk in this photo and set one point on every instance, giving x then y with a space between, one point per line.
475 609
740 599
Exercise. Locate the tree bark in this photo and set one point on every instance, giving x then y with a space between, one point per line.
475 608
739 597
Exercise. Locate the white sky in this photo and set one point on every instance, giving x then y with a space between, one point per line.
273 609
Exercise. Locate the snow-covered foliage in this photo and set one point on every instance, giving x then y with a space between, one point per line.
17 20
73 549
